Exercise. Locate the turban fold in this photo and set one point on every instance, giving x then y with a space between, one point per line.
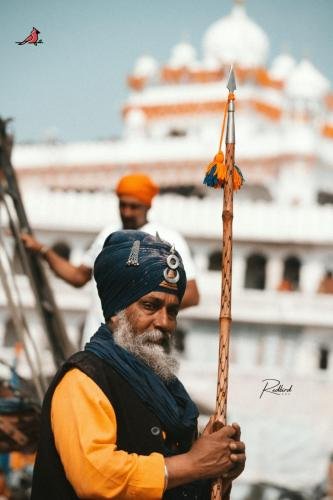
139 186
133 264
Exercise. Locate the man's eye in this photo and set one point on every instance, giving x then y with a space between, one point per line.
173 312
149 305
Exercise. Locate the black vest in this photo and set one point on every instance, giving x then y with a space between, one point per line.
138 431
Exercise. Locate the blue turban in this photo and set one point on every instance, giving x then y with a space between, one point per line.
133 264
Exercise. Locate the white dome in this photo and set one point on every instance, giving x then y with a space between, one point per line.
236 39
282 66
183 54
306 82
145 66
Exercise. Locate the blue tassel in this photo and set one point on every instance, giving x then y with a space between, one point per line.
211 179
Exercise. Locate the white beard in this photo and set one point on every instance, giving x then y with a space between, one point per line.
143 346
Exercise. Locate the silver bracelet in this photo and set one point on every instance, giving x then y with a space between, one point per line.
43 250
166 478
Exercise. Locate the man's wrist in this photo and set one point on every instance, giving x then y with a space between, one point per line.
181 470
166 478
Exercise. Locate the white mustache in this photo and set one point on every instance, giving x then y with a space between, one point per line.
153 336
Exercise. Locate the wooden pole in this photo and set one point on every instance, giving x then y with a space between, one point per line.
225 313
225 310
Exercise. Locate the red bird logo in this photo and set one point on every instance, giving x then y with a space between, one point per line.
32 38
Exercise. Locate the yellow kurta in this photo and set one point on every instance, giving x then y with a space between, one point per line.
85 432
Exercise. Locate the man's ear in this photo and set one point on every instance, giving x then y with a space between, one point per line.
113 322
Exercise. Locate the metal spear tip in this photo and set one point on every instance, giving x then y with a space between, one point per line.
231 85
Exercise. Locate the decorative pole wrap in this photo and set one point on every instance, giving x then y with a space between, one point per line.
225 175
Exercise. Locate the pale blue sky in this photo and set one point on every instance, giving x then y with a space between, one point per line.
75 82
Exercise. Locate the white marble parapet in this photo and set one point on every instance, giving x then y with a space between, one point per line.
248 306
253 221
263 306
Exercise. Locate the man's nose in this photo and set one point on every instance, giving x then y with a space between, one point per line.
127 212
162 320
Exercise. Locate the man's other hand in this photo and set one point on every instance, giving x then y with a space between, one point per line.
31 243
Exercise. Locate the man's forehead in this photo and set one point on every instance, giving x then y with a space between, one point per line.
168 298
130 200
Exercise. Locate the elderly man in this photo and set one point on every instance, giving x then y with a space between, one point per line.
135 193
116 422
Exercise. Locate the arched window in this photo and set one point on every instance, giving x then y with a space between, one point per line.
177 132
255 275
214 262
292 266
323 358
325 198
62 248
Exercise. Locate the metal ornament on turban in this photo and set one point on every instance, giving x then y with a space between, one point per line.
133 264
138 186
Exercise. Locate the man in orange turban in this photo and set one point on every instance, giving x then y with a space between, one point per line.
135 193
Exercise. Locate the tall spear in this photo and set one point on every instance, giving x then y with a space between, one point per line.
226 175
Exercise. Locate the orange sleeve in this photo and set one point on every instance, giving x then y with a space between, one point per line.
85 429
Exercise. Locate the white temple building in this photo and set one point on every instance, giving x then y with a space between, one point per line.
283 230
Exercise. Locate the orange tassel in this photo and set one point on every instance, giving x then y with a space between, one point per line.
216 171
221 168
237 178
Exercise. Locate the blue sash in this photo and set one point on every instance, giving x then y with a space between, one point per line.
169 401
